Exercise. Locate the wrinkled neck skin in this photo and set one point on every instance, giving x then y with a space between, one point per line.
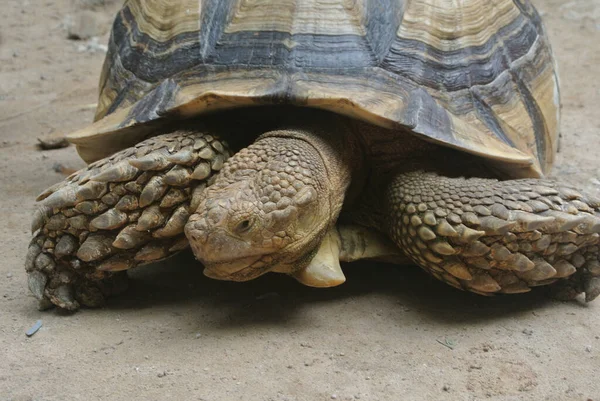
273 202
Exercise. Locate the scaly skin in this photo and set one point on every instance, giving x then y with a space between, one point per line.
120 212
270 206
489 236
477 234
274 206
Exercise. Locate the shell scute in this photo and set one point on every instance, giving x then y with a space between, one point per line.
478 77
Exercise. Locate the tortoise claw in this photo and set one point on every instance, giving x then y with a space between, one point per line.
63 298
37 283
591 286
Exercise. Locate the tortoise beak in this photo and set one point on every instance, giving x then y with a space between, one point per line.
242 269
224 270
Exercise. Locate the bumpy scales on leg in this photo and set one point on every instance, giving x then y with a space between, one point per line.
120 212
490 236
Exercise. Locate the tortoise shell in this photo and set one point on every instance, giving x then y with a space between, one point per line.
478 76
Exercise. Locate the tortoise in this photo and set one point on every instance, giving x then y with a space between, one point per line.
287 136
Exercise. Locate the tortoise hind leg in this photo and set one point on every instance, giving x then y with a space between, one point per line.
120 212
491 236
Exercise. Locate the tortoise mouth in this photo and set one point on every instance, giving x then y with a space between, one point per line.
230 266
240 269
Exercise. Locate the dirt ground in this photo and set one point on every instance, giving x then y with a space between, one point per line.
389 333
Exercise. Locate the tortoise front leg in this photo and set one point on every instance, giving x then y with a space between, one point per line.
120 212
490 236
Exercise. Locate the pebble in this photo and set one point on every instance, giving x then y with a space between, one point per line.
9 275
527 332
198 335
334 396
588 348
85 25
162 374
53 142
92 46
61 169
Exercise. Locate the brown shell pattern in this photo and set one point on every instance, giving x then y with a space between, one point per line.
476 75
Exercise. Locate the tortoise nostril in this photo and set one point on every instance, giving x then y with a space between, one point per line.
197 236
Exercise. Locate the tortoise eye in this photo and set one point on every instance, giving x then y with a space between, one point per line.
243 226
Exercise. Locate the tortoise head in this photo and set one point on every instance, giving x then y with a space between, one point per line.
267 210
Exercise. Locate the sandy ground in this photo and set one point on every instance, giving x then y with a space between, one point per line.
388 334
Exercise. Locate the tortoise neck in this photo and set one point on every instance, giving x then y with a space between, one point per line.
334 147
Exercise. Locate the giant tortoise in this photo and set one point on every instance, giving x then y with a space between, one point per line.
289 135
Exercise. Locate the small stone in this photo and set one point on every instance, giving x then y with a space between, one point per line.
588 348
527 332
162 374
198 335
48 143
9 275
446 387
92 46
85 25
334 396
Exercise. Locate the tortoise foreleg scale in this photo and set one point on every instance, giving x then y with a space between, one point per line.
489 236
120 212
